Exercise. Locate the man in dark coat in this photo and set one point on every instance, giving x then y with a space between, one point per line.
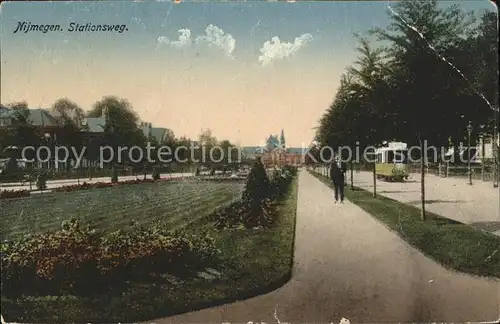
337 174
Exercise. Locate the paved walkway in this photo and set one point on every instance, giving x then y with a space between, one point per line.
67 182
477 205
349 265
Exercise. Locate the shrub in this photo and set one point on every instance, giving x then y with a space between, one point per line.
257 186
136 181
257 190
292 169
240 213
98 185
230 216
65 260
76 261
257 207
11 194
83 186
41 181
114 175
282 178
156 174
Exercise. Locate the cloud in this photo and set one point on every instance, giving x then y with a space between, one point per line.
183 40
276 50
215 36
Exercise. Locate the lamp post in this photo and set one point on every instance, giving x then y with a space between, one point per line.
495 151
469 131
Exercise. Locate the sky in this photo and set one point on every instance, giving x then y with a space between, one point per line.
242 69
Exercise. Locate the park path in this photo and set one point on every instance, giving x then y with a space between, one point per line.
51 184
454 198
349 265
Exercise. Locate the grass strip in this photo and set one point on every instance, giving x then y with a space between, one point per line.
455 245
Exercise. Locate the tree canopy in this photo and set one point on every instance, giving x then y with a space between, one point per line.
424 77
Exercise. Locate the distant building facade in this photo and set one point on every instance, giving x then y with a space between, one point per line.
274 152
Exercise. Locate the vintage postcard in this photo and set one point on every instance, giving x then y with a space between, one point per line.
249 162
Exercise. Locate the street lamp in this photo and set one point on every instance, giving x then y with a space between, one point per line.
469 131
495 151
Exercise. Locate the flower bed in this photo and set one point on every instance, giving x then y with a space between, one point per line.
257 207
77 261
219 179
98 185
11 194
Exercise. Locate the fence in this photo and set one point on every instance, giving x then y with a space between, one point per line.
484 172
319 169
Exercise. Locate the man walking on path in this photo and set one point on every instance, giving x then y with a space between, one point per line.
337 174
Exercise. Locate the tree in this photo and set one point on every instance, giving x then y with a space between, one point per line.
71 116
5 139
20 112
487 77
23 133
182 155
358 112
169 138
257 190
69 112
227 155
406 89
206 142
121 128
420 34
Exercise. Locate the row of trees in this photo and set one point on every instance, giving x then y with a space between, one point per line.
121 129
423 78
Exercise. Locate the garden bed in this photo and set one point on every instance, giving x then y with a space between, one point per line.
12 194
240 268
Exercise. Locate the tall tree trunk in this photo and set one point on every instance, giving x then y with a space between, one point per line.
422 179
352 175
496 151
483 146
374 180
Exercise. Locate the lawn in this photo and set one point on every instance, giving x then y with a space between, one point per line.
252 262
455 245
172 203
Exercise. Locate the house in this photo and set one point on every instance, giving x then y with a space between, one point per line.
484 149
36 117
159 134
94 124
43 118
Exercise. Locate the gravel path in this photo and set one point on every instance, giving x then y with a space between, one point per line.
477 205
349 265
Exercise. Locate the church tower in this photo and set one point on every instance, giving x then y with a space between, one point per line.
282 139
